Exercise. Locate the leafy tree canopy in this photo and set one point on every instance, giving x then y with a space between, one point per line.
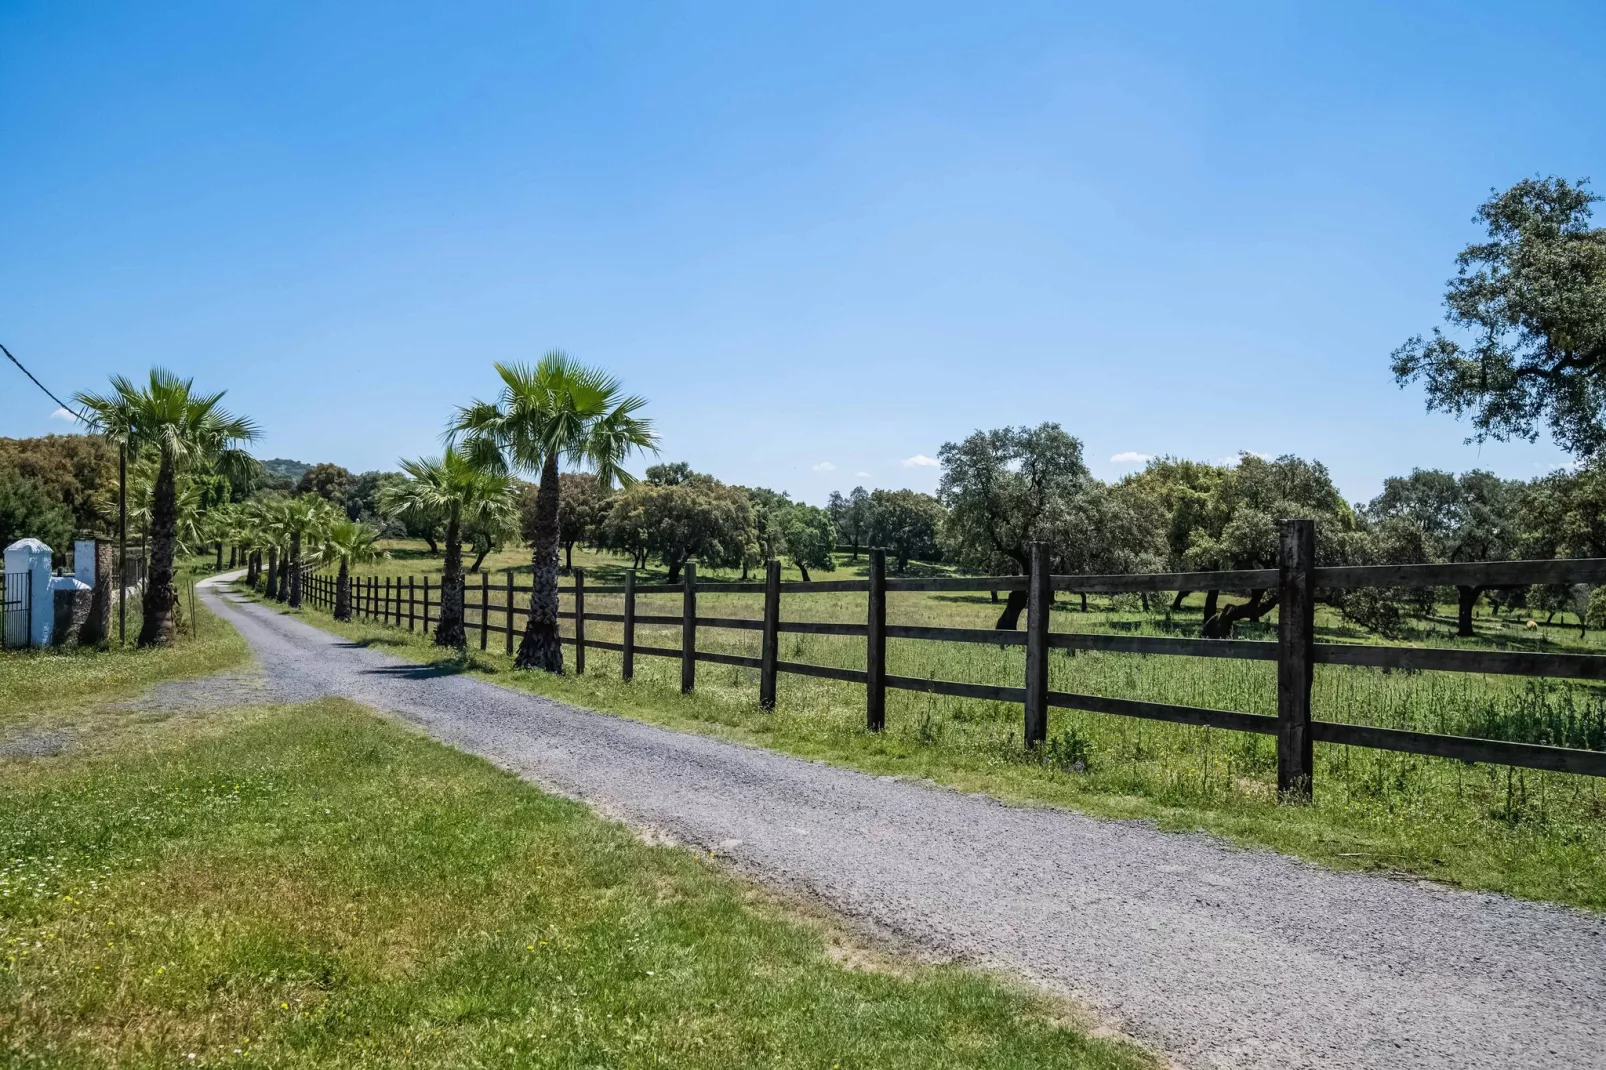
1007 488
332 483
28 510
1532 303
906 523
697 518
78 472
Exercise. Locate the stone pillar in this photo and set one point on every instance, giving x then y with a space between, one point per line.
95 563
30 621
71 600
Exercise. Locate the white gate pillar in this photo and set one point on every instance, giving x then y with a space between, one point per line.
33 623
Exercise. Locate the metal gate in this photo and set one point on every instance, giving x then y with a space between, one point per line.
16 601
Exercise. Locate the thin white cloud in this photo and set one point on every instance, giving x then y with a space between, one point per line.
1130 457
920 460
1262 456
63 414
825 466
862 475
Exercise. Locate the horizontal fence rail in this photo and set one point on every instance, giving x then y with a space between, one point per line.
415 605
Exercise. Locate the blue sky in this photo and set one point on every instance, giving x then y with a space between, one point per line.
813 235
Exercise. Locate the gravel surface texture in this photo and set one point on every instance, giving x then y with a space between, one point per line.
1213 955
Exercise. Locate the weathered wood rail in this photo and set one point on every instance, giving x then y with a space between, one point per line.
1295 651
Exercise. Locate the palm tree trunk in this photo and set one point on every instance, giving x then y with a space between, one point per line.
343 592
449 632
220 555
158 627
541 648
295 570
284 576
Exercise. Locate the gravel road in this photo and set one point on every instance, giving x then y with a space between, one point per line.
1216 956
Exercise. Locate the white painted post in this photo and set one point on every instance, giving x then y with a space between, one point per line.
83 561
33 624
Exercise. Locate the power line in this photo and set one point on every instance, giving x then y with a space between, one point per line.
40 385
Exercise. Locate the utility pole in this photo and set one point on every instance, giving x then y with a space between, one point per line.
122 543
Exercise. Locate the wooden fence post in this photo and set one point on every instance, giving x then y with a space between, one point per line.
1039 595
385 612
412 604
875 654
507 613
370 599
1296 625
688 630
426 605
770 652
627 657
485 608
579 621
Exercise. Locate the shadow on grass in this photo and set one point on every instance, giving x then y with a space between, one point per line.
373 640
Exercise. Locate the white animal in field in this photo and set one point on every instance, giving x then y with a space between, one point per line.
1530 624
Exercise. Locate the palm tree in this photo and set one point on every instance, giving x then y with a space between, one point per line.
557 412
185 431
274 535
248 536
349 542
455 487
304 520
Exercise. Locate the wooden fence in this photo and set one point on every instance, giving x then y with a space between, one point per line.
1296 581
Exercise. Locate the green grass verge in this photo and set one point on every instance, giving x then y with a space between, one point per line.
314 886
1524 833
37 681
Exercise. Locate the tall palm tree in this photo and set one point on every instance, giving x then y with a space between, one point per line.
349 542
455 487
555 413
184 431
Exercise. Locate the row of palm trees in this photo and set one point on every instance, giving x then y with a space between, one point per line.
553 414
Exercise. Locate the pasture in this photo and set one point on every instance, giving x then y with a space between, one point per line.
1524 832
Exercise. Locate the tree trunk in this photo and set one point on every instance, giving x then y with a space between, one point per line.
1084 600
220 555
541 647
159 627
480 560
343 592
1014 606
801 567
1219 626
271 592
449 630
568 555
674 569
855 546
1468 597
1143 600
234 554
1211 598
1176 603
429 537
994 595
295 570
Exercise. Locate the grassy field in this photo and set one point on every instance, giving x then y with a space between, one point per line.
1527 833
313 885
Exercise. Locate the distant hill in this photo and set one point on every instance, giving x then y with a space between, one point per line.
285 468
